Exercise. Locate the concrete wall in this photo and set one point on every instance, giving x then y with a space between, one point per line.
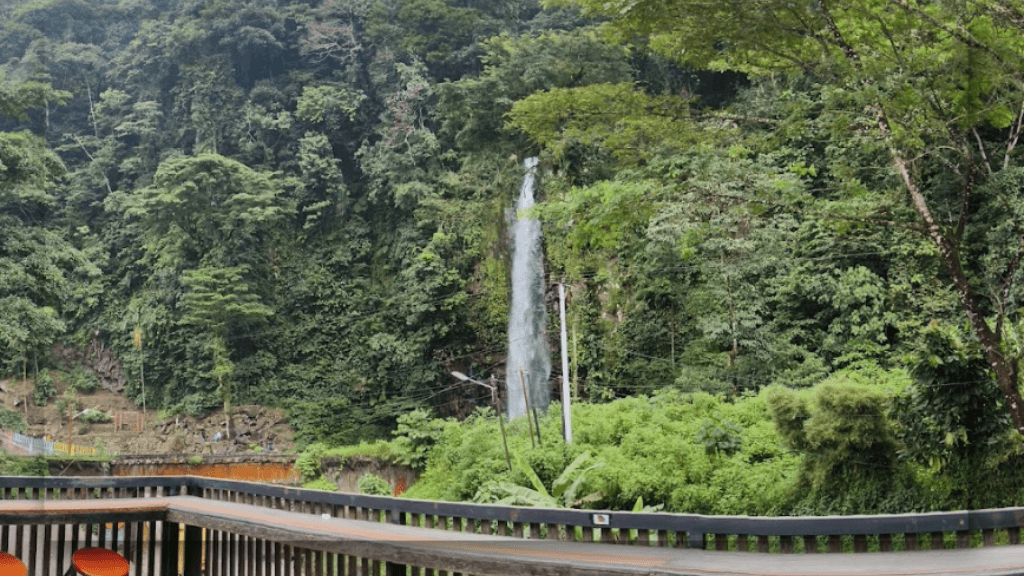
347 475
276 469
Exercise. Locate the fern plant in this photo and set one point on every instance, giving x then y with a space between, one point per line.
564 490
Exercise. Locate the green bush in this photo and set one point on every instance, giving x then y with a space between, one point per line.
373 485
43 389
12 420
83 380
308 462
196 404
650 446
415 436
467 455
320 484
841 425
91 416
23 465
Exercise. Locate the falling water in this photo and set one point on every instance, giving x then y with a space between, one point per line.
528 358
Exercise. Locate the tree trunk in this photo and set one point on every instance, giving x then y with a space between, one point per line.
1005 369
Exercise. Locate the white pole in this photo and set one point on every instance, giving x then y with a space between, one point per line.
566 414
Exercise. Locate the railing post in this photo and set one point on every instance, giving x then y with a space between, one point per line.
193 550
392 568
169 549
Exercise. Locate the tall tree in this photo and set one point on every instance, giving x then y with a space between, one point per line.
45 278
208 227
933 86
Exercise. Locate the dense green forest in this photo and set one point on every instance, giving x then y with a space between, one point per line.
306 204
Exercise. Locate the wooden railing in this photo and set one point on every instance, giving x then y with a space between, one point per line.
45 540
894 532
224 528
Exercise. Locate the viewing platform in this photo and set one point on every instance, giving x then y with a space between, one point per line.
192 525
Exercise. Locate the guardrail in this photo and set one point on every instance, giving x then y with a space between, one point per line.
926 531
21 444
898 532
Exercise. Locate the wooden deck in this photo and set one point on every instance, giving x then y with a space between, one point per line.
214 529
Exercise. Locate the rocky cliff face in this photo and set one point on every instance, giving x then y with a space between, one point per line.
101 361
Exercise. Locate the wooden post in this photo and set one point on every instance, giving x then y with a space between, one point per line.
526 399
566 412
193 551
393 568
536 422
504 439
169 549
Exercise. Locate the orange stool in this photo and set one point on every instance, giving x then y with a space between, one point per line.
99 562
11 566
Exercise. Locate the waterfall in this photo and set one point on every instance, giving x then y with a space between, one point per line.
527 342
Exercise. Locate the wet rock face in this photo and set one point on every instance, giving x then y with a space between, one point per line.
253 429
101 361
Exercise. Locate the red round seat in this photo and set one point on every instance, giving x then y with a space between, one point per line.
11 566
99 562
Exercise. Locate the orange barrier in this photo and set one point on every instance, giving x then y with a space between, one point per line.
270 472
73 449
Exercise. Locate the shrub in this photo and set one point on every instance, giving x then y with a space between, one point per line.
321 484
308 463
196 404
842 428
67 404
91 416
416 435
11 420
373 485
43 389
23 465
83 380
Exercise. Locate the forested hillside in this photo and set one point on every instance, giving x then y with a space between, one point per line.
305 204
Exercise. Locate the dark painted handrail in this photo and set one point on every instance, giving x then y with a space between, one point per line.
656 529
697 527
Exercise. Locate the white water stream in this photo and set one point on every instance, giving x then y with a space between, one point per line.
529 361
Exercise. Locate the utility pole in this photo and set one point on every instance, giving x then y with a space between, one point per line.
496 402
566 413
142 372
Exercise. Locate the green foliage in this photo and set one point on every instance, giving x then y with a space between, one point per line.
67 404
320 484
949 420
18 98
305 206
91 416
82 380
23 465
308 462
649 449
373 485
195 405
720 437
564 492
43 388
12 420
621 118
415 436
841 426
